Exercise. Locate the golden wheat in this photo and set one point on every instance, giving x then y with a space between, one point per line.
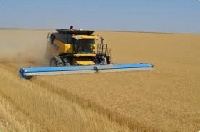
166 99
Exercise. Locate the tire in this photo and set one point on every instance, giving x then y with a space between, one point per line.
56 62
66 61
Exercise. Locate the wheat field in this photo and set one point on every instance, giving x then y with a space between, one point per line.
164 99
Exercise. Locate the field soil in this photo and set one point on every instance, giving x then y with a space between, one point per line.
164 99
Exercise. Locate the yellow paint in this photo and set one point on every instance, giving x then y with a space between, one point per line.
85 62
68 48
94 48
63 48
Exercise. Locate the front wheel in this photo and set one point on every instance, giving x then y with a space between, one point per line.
56 62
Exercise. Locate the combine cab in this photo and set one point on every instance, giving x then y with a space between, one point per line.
72 51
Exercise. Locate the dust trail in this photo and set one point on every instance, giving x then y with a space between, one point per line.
23 46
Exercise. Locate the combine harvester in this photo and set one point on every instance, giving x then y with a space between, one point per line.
72 51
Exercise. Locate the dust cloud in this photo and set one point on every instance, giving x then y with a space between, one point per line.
23 46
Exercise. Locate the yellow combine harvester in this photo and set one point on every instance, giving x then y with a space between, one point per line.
69 47
76 51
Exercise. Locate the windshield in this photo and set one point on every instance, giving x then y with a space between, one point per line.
84 45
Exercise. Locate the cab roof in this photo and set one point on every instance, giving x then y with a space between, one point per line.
75 31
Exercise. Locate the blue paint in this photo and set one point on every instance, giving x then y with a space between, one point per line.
23 71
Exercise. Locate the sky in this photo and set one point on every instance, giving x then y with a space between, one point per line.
118 15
